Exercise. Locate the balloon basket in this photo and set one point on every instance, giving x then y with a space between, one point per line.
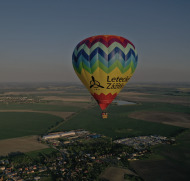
104 115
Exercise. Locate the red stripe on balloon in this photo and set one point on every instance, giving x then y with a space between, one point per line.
104 100
107 40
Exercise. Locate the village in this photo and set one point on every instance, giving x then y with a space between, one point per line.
77 154
143 142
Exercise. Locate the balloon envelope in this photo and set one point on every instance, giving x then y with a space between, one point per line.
104 64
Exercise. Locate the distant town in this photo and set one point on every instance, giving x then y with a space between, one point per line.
78 154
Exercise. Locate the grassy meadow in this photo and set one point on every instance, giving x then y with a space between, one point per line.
42 107
120 125
35 154
17 124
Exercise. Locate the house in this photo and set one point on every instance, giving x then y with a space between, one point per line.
59 135
62 169
36 178
2 168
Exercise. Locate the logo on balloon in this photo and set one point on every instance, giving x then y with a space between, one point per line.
117 82
94 83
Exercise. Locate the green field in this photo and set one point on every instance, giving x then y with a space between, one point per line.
117 125
120 125
42 107
17 124
35 154
173 153
153 106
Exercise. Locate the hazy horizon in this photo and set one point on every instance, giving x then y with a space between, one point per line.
38 37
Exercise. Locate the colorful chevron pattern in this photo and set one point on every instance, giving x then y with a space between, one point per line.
106 52
104 64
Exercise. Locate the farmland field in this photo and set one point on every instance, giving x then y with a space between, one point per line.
159 110
165 93
59 100
67 107
124 126
177 119
60 114
18 124
35 154
21 144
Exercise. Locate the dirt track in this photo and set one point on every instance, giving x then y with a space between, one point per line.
21 144
176 119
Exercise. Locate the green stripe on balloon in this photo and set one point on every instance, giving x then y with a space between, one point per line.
104 68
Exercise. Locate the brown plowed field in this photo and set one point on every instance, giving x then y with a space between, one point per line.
21 144
176 119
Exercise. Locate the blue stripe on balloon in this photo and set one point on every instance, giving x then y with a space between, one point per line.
82 52
104 55
131 52
116 50
106 60
103 61
98 50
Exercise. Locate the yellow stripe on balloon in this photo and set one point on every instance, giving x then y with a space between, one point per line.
103 82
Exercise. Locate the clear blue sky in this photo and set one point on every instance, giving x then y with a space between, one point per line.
37 38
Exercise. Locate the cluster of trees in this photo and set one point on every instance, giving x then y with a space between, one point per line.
100 146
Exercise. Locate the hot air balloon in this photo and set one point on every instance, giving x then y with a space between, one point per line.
104 64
